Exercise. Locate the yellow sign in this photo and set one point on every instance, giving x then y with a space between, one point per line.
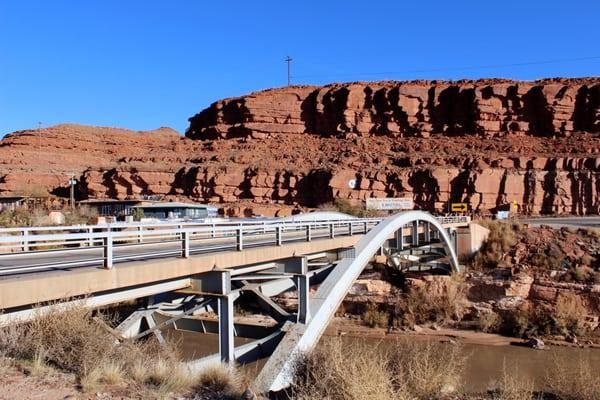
459 207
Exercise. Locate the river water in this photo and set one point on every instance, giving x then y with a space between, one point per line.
485 363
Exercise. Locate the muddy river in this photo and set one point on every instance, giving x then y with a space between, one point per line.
485 363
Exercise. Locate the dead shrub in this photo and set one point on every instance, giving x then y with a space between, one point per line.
362 371
527 321
568 383
425 304
569 314
501 239
489 322
374 317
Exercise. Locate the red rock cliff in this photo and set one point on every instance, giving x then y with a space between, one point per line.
486 143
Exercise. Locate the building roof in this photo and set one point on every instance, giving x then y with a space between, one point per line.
174 204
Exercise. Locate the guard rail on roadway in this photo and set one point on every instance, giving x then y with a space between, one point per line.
164 239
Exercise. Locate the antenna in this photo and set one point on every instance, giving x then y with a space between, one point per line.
288 60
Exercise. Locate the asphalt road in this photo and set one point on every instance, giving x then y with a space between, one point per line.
558 222
12 264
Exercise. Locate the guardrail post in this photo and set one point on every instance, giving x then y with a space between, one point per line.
239 239
415 233
308 233
212 230
90 232
108 249
278 235
350 228
185 244
332 230
25 234
365 226
140 234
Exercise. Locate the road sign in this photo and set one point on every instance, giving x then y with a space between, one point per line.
385 203
459 207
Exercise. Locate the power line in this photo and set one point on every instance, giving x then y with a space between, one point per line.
455 68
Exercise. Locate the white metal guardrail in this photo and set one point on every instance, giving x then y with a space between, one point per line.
34 248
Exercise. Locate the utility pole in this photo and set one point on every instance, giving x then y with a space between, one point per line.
288 60
72 183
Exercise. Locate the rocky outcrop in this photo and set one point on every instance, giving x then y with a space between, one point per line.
484 108
487 143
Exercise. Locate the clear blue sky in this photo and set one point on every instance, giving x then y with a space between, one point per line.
146 64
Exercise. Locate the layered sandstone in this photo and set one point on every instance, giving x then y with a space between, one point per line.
487 143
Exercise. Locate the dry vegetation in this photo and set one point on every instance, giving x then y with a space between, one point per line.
566 318
494 252
359 371
441 304
347 207
24 216
74 341
568 383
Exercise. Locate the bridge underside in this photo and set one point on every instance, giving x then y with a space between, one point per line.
184 288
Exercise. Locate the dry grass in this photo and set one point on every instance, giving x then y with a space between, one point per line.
568 383
223 379
74 340
361 371
514 386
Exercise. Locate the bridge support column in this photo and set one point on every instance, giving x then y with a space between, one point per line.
426 232
453 239
185 244
400 239
415 234
107 243
226 345
217 283
303 286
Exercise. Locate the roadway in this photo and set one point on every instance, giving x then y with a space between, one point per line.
18 263
559 222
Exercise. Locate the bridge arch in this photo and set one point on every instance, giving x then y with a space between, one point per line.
278 372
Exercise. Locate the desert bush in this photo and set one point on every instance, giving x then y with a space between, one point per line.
361 371
489 322
569 314
423 304
80 216
568 383
374 317
527 321
347 207
501 239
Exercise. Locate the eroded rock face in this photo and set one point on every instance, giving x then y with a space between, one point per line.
487 143
408 109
